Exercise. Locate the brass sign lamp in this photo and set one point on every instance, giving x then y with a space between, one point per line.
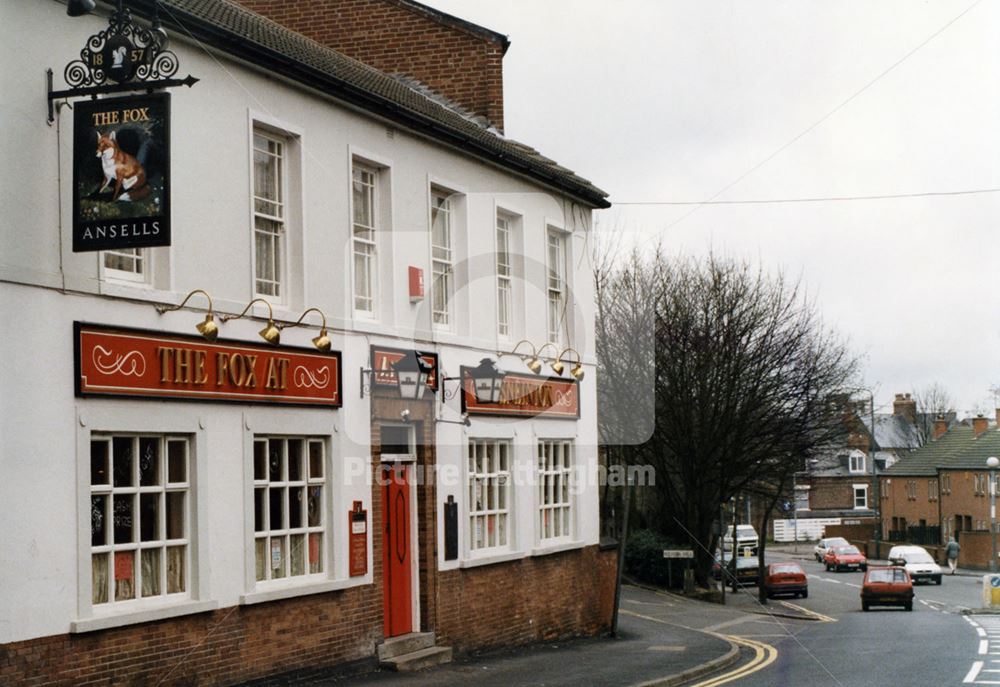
208 328
270 333
321 342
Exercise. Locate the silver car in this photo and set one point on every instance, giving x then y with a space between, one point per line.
826 544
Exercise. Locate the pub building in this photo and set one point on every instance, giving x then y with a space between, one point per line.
303 372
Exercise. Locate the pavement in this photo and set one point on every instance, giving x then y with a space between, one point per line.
663 640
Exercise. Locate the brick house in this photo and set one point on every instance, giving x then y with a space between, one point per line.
837 485
941 490
181 514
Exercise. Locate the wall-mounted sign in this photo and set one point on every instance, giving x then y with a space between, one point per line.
153 365
383 358
357 519
526 396
121 173
416 281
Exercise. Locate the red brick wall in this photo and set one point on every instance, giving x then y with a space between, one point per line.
963 500
531 599
900 505
222 647
837 493
464 66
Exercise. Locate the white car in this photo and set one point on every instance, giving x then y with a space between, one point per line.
917 562
826 544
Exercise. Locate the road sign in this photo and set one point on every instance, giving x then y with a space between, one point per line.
678 553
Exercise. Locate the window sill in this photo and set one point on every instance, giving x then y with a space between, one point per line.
546 549
267 595
490 559
104 622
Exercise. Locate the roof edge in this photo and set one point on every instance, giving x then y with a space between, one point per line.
457 22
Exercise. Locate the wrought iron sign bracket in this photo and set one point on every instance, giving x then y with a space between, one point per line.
131 56
149 86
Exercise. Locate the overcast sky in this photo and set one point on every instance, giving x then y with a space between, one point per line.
656 100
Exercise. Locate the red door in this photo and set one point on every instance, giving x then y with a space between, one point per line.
397 569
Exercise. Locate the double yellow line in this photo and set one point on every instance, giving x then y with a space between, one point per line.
764 655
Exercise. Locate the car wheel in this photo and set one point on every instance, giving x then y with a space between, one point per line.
937 580
909 606
864 568
805 594
864 606
828 567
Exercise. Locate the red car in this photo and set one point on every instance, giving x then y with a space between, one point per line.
887 587
786 578
845 557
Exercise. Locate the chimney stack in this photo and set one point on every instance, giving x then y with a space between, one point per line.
905 406
979 425
998 417
940 427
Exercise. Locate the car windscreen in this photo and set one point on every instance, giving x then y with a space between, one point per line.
887 576
836 541
785 568
849 550
918 557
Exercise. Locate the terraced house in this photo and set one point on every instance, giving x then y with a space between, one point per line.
304 374
942 489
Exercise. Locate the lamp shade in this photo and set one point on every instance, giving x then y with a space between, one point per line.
487 381
411 375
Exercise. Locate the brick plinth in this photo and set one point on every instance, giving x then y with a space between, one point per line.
528 600
222 647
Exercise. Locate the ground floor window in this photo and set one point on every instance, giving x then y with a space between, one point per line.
555 465
289 489
489 493
140 496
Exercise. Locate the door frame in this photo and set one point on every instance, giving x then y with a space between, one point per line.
411 462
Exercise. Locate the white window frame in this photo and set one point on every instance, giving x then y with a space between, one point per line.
136 492
856 463
141 258
442 259
552 475
860 488
370 244
120 418
280 238
285 486
556 290
505 274
495 479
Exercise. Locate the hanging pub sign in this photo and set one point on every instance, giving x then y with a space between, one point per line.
525 396
136 363
121 172
383 358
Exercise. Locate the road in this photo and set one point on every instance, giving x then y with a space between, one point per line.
935 644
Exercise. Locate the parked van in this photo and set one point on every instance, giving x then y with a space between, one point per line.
746 538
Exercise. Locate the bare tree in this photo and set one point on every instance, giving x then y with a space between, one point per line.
931 400
743 373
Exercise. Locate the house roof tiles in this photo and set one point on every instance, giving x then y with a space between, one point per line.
260 41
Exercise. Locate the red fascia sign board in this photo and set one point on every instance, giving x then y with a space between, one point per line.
383 358
526 396
133 363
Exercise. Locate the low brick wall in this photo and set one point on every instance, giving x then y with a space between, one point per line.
528 600
533 599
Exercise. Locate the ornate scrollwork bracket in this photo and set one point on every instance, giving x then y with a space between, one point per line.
123 57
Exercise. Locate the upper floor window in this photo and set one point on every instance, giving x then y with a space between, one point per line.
504 300
442 262
364 241
556 284
127 264
857 462
269 214
860 495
